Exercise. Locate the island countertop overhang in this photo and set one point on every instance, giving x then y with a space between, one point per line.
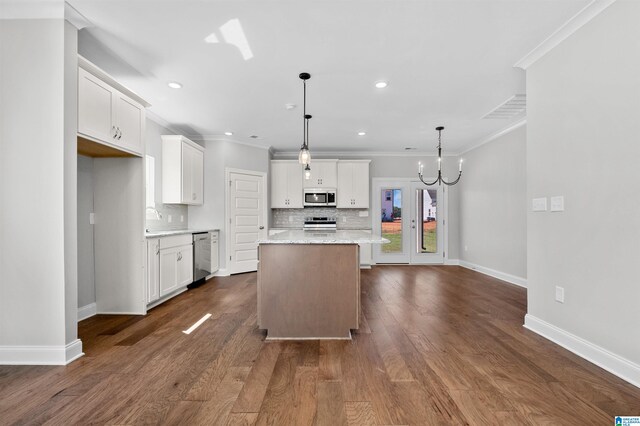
342 236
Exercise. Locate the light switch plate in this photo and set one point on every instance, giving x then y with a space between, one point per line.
539 204
344 219
560 294
363 213
92 218
181 218
169 218
557 204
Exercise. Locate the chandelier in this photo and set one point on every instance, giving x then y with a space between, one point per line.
439 180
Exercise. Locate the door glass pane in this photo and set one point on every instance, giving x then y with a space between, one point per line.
391 216
427 234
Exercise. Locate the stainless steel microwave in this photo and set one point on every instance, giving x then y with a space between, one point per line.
319 197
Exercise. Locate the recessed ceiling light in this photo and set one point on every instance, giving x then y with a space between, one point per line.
174 85
362 133
381 84
228 133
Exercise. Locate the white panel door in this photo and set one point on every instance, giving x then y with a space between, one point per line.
279 186
95 108
130 121
168 270
184 269
246 216
188 154
294 185
153 270
360 188
344 188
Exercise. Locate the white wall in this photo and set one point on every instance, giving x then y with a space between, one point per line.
583 142
37 263
219 155
493 205
86 264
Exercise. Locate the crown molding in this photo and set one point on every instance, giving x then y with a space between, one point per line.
585 15
164 123
321 155
76 18
217 138
510 128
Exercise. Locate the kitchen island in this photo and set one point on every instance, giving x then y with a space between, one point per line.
309 283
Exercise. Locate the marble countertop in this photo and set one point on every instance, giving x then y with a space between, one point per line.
169 232
318 237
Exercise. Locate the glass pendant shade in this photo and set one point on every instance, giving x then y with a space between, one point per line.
304 157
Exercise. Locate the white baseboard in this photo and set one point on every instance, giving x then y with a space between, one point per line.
41 355
87 311
614 364
519 281
222 273
454 262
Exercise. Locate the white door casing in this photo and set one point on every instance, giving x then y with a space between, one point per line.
246 218
410 222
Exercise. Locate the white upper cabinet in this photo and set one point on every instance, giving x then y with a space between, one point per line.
107 114
353 184
182 171
324 174
286 184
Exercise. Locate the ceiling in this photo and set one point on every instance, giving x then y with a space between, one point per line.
447 62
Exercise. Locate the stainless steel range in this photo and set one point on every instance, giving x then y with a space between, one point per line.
319 224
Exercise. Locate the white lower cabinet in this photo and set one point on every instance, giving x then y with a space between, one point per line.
153 269
176 268
169 265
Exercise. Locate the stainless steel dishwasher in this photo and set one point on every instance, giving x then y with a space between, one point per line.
201 256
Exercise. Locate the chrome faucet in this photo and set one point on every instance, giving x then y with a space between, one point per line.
158 214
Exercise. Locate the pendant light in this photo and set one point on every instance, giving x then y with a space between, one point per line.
304 157
307 168
439 180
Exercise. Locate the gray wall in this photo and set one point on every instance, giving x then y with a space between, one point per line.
86 263
35 185
582 142
493 205
219 155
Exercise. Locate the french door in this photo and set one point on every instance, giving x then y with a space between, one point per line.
411 216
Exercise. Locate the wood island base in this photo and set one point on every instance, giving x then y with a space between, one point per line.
308 291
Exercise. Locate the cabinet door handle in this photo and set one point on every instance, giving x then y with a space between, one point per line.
115 132
157 249
119 133
179 256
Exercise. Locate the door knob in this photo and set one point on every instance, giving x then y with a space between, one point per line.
262 227
413 227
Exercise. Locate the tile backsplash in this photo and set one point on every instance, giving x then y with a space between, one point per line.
176 211
346 218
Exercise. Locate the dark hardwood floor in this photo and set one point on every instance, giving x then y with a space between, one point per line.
437 345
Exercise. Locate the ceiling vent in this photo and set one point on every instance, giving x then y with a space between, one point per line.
513 107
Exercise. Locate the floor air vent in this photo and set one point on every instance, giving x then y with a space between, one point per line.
513 107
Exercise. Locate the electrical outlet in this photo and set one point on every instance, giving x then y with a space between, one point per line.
560 294
290 219
539 204
169 218
181 218
557 204
344 219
